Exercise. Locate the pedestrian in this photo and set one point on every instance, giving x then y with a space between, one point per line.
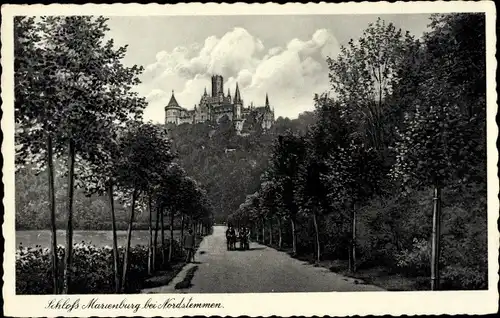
189 246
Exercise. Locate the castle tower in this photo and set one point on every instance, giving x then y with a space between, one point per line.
172 111
229 95
217 85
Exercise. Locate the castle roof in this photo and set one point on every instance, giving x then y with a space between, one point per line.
237 97
173 102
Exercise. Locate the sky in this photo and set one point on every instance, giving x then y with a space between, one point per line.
284 56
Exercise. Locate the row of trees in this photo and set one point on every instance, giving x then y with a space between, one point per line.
74 101
408 114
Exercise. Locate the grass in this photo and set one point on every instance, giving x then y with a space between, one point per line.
186 282
162 278
378 275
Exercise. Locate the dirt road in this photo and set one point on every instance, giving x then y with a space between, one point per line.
259 270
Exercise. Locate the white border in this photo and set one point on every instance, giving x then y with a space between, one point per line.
289 304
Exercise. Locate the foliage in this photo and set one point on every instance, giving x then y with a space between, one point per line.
415 260
92 271
226 164
447 124
363 76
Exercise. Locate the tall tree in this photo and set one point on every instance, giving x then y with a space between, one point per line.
443 140
144 148
288 154
34 133
363 75
80 82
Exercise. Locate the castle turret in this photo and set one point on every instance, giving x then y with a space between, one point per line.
172 111
268 115
237 97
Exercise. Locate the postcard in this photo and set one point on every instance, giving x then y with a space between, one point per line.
250 159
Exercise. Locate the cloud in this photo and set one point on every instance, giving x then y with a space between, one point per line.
155 95
290 73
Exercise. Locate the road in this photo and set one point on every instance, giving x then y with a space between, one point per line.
259 270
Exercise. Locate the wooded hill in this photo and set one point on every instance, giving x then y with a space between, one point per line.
227 164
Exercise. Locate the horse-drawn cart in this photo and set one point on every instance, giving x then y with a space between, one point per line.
243 238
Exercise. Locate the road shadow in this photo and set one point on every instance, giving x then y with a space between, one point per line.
257 248
202 252
250 249
186 282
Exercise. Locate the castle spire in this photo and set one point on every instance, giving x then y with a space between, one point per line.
267 101
205 91
237 97
173 102
229 92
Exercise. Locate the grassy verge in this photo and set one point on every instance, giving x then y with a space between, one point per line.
186 282
163 278
379 276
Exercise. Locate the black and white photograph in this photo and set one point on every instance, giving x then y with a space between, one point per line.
207 155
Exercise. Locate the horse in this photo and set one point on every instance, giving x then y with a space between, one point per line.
231 242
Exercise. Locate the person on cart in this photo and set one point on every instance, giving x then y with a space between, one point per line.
230 237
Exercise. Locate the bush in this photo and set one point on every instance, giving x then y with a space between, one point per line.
417 260
92 270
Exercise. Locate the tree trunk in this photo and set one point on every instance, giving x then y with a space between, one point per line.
162 245
316 230
171 243
116 265
150 243
182 227
129 237
352 252
294 238
263 232
271 231
436 233
52 200
69 227
280 237
157 224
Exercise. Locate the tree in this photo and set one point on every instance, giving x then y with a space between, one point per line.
287 155
97 175
80 81
363 76
443 141
145 153
31 128
268 204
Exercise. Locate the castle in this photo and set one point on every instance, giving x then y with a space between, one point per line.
216 106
